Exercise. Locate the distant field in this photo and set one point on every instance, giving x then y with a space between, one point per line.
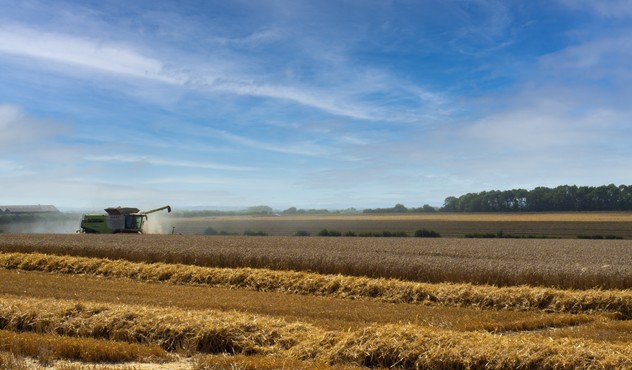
555 225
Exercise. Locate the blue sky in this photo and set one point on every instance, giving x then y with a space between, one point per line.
313 104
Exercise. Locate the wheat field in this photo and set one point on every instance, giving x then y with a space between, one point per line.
202 302
560 263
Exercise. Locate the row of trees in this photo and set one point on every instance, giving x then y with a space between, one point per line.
565 198
262 210
542 199
300 211
400 208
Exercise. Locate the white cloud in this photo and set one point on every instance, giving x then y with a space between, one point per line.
344 96
304 148
254 39
606 56
89 53
480 35
18 128
165 162
324 101
538 127
604 8
10 167
183 181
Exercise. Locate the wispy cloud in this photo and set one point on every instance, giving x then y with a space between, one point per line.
121 59
89 53
527 129
603 57
17 128
478 36
604 8
10 168
155 161
255 39
305 148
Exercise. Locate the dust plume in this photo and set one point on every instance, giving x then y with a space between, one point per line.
158 223
66 223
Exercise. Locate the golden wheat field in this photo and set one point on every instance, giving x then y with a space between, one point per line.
236 302
561 263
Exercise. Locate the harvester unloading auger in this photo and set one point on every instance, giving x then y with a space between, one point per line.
118 220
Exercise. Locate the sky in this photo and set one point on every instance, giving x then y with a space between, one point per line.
311 104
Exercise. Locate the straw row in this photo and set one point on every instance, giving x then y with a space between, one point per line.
405 346
47 347
390 290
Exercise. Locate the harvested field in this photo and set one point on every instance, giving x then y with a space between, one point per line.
329 313
575 264
48 347
198 300
406 346
395 291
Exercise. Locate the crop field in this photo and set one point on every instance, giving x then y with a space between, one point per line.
560 263
272 302
553 225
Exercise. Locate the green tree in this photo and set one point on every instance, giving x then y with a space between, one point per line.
291 211
260 210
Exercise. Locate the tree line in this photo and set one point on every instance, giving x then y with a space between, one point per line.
400 208
564 198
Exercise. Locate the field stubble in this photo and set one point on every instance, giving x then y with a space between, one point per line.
389 290
583 334
405 346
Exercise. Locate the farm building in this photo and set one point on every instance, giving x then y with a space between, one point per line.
31 209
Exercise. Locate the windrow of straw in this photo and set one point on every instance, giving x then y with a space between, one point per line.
413 347
46 348
404 346
9 360
390 290
258 362
170 328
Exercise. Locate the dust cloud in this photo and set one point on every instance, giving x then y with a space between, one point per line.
158 223
65 224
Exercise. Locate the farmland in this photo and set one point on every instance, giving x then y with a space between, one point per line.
211 302
562 263
554 225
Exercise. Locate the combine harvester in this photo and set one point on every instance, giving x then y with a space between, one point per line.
118 220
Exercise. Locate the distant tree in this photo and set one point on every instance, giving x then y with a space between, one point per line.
350 211
399 208
291 211
450 204
260 210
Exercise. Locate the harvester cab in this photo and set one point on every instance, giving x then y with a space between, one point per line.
118 220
